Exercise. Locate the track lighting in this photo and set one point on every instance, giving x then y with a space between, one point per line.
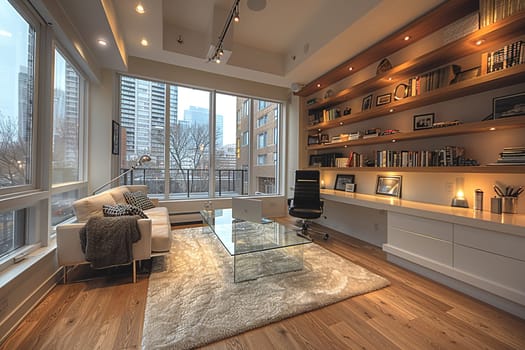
232 16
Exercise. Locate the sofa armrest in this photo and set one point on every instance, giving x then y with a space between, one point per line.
155 201
69 251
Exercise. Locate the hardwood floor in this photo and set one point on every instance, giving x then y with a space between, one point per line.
412 313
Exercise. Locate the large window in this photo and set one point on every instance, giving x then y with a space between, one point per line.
17 82
207 144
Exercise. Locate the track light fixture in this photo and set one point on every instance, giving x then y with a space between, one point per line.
232 16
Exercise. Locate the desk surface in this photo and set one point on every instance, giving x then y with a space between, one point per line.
508 223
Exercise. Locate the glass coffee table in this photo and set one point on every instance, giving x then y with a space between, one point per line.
258 249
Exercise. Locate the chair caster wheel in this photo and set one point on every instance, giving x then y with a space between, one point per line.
325 237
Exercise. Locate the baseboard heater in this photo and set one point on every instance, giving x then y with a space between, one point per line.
185 217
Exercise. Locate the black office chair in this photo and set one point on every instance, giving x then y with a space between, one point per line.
306 203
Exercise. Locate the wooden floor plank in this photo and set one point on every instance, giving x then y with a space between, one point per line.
412 313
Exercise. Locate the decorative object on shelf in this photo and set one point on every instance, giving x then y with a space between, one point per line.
341 180
329 93
459 199
446 123
347 111
401 91
371 133
508 106
324 138
389 185
466 75
383 99
389 132
478 199
383 66
512 156
350 187
313 139
367 103
115 137
423 121
311 101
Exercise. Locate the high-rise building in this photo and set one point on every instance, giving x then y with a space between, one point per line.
201 115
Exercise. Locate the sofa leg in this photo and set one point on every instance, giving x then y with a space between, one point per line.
134 268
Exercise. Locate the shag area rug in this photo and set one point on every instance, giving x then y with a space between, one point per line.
192 299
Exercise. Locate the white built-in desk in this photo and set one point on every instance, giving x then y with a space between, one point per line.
477 252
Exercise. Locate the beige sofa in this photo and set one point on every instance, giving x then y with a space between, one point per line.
155 231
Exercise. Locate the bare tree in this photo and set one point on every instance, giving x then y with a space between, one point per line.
13 154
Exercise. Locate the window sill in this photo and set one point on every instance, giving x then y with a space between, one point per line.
31 259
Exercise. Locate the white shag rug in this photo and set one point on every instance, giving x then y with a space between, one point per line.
192 299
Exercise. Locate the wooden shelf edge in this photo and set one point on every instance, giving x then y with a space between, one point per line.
474 127
483 169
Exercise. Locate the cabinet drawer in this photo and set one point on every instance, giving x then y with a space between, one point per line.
427 247
491 241
492 267
433 228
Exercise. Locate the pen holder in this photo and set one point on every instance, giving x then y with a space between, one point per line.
510 205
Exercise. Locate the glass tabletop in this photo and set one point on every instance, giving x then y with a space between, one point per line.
242 237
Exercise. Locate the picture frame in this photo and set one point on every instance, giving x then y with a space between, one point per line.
367 103
341 180
508 106
350 187
383 99
389 185
115 137
423 121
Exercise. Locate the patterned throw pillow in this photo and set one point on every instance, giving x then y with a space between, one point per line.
138 199
121 210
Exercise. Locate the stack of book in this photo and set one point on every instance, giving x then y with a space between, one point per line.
446 156
512 155
355 160
506 57
322 116
491 11
435 79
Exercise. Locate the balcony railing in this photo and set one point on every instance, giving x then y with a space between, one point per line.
189 183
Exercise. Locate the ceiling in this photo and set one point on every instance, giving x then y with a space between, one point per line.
288 41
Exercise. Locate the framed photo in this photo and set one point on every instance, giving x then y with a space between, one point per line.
383 99
367 103
350 187
115 137
389 185
341 180
423 121
508 106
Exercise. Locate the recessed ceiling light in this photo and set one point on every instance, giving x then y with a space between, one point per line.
350 68
318 85
139 8
407 38
389 78
144 42
492 129
391 110
102 42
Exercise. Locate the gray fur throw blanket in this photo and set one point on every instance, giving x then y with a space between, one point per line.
108 241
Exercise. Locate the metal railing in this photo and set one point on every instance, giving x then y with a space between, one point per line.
189 182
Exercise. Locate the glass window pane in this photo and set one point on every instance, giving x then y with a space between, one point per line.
66 122
12 228
143 121
189 143
62 206
267 169
230 177
17 57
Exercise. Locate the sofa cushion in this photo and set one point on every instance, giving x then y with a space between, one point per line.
118 194
160 229
92 206
139 199
122 210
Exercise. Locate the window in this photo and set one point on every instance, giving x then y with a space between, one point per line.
261 159
17 69
210 148
12 229
262 140
262 120
68 120
262 105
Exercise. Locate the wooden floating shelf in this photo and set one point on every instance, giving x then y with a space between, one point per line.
501 31
482 169
467 128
